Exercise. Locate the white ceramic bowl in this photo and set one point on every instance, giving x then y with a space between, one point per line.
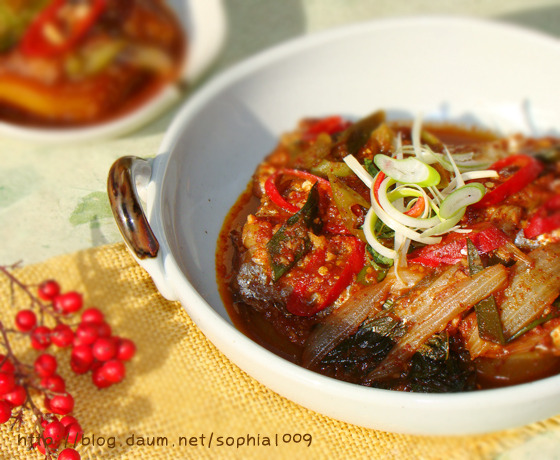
447 68
205 27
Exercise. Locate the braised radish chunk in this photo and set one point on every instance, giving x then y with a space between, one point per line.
400 255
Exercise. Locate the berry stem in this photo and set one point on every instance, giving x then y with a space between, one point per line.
19 366
35 301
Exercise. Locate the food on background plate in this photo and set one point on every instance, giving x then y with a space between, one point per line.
81 62
400 255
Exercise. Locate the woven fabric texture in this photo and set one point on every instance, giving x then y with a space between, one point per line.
180 391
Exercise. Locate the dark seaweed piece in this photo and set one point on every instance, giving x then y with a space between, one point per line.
360 353
441 366
548 155
356 356
387 326
291 242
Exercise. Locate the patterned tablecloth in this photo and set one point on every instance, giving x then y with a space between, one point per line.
53 198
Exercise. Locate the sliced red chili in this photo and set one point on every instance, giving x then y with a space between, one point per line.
299 302
415 211
271 190
276 197
377 184
454 247
353 266
60 26
545 220
528 170
418 208
328 125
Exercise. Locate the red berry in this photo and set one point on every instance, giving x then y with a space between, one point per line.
40 446
68 303
5 411
96 364
113 371
74 433
16 397
77 341
99 380
69 454
44 422
41 337
53 433
45 365
87 333
62 336
48 290
67 420
61 404
104 348
26 320
7 382
126 349
103 329
81 359
6 365
54 383
92 315
47 403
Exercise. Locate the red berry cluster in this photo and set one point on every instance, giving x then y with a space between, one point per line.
16 379
93 348
96 350
56 432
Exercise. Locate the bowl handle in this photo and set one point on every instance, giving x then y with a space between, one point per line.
125 203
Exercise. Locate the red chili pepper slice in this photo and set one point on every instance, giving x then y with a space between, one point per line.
272 191
415 211
328 125
529 170
377 184
298 303
60 26
418 208
545 220
454 247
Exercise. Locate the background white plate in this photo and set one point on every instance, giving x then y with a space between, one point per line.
204 23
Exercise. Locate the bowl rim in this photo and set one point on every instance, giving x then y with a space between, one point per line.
247 354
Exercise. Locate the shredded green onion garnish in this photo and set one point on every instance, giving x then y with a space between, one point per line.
460 198
408 174
408 170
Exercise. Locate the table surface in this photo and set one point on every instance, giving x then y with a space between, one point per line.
53 198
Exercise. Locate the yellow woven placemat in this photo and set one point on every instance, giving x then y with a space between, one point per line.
180 390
